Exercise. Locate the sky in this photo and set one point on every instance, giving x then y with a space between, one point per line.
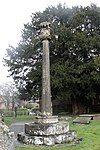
15 13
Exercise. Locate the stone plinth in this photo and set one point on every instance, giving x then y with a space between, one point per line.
34 129
47 133
46 119
48 140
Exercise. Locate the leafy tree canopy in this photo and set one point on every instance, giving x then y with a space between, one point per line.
75 55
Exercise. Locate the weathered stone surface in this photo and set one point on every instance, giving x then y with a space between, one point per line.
71 135
48 140
38 140
46 129
82 120
45 30
59 139
22 137
64 118
47 134
46 119
46 108
6 138
92 116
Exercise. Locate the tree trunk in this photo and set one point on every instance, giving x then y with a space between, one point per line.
78 107
74 107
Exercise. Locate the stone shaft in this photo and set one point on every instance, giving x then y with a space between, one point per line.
46 92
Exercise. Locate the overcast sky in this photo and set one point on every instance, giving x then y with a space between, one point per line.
14 13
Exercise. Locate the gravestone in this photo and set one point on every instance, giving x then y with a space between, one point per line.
6 137
82 120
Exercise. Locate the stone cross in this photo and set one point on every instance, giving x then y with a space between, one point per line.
46 91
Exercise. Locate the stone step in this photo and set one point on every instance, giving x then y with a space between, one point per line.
48 140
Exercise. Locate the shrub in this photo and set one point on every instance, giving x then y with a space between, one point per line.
28 106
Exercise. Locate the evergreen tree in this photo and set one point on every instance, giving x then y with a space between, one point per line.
74 55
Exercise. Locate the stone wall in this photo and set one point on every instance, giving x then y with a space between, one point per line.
6 138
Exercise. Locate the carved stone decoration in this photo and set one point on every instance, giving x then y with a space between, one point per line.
45 30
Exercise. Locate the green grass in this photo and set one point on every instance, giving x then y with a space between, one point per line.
89 133
8 120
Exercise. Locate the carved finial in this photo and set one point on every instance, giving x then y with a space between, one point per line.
45 24
45 30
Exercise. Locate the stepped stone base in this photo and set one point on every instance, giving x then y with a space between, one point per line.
47 129
47 140
47 133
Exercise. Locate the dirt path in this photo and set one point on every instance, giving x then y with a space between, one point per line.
17 127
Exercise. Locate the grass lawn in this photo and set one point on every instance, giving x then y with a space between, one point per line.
90 134
8 120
